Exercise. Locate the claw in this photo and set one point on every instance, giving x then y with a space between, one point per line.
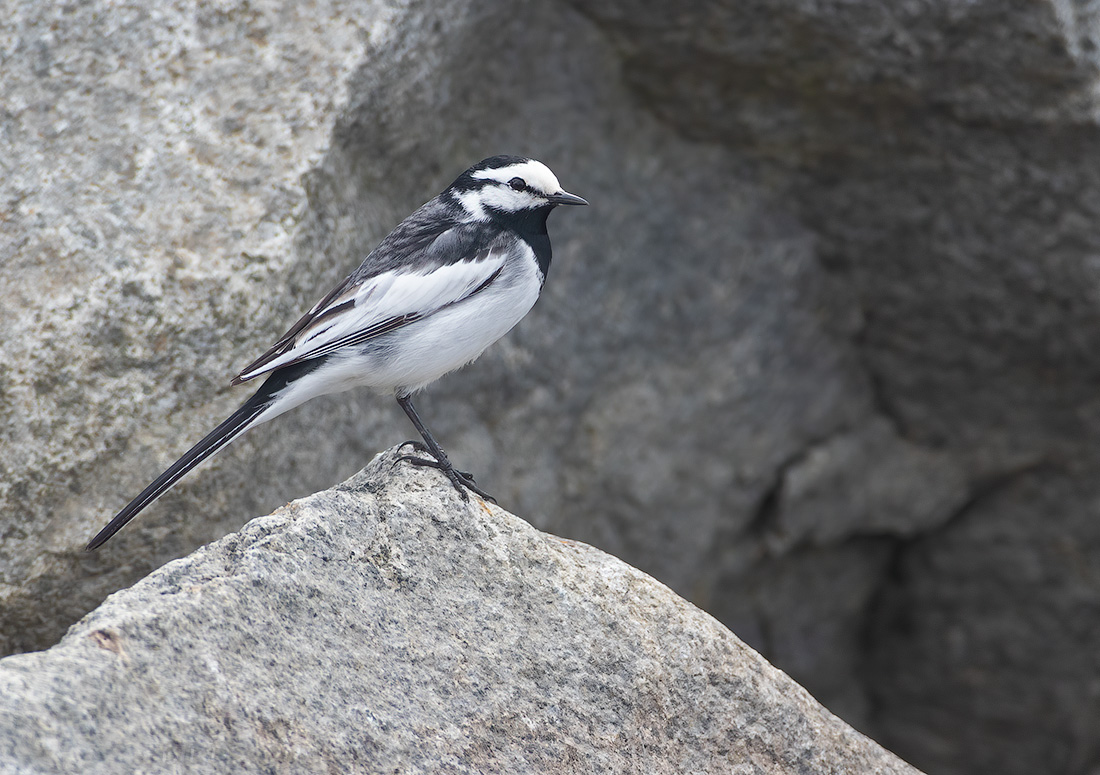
419 461
416 461
418 446
461 480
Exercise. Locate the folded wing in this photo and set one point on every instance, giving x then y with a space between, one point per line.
362 309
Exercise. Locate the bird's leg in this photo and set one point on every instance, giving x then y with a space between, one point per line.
461 480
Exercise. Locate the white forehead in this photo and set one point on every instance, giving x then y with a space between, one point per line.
536 174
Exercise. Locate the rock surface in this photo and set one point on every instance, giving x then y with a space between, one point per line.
386 626
153 161
847 248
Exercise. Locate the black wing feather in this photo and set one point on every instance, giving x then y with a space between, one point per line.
424 240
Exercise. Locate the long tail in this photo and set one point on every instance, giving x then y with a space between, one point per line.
239 422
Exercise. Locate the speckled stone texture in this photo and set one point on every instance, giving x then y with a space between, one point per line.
153 158
387 626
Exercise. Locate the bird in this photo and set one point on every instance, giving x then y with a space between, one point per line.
451 279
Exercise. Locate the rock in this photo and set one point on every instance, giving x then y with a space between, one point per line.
385 625
838 280
941 153
997 605
869 481
154 163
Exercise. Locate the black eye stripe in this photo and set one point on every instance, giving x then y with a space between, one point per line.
518 184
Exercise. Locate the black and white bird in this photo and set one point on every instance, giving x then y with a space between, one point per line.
450 280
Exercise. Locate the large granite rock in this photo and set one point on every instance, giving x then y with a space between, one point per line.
846 248
153 160
944 155
387 626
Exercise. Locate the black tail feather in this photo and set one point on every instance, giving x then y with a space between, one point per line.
235 425
213 441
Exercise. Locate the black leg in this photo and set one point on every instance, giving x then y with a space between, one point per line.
461 480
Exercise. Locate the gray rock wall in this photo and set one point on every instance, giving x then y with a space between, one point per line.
819 356
153 181
386 626
945 157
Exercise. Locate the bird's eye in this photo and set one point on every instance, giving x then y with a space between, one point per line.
517 184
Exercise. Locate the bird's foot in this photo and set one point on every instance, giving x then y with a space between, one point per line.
426 463
462 480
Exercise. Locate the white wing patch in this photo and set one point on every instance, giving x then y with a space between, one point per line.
383 303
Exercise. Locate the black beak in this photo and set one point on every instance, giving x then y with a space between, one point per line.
565 198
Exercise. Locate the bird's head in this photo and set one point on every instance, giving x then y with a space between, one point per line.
506 185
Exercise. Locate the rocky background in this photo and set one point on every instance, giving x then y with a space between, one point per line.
821 356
